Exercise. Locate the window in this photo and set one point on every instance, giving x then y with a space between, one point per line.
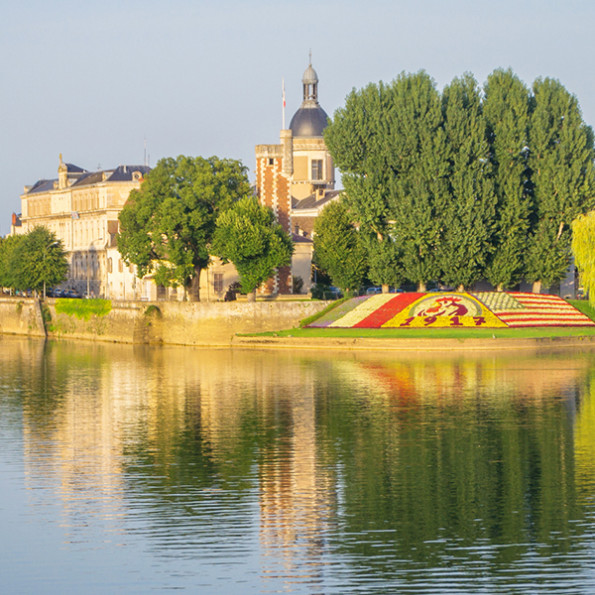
317 169
218 282
109 265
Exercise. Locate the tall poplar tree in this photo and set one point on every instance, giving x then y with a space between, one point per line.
561 162
506 109
467 215
418 165
358 138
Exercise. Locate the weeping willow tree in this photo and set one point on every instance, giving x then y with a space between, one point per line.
583 250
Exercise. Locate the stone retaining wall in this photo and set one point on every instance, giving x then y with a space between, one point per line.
21 316
174 323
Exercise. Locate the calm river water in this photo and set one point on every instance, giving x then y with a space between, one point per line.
133 470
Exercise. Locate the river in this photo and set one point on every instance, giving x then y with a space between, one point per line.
129 469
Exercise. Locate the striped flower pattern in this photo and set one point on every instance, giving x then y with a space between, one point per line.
533 309
483 309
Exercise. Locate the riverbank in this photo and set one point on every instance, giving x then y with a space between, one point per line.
255 326
160 323
412 344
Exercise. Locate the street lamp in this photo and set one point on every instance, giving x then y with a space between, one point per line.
54 243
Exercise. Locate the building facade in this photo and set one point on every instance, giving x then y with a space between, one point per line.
82 209
296 179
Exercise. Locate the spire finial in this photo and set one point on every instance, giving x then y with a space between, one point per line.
310 56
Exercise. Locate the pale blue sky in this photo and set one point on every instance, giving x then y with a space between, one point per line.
92 79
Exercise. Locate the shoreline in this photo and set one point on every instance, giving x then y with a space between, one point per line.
438 346
412 344
239 325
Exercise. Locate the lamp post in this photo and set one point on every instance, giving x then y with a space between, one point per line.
54 243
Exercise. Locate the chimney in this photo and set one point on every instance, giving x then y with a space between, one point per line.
62 174
287 144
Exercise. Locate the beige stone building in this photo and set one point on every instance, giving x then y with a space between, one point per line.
82 208
296 178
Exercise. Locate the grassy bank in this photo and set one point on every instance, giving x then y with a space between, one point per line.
434 333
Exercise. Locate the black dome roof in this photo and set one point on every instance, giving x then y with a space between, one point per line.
309 121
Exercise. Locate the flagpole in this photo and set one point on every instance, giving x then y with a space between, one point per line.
283 108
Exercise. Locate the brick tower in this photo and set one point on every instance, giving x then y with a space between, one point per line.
297 171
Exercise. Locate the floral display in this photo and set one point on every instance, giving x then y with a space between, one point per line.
454 309
445 310
531 309
329 317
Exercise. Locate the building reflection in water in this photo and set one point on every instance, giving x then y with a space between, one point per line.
107 427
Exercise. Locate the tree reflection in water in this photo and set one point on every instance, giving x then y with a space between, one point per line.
316 469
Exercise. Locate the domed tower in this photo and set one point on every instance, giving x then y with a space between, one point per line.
310 120
296 178
313 169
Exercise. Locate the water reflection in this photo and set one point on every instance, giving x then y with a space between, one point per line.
309 472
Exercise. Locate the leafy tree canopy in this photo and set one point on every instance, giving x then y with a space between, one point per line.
248 235
8 266
338 247
389 143
562 176
506 107
466 187
468 213
583 250
168 224
38 261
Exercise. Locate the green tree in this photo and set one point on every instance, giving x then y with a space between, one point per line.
561 162
506 109
583 250
467 217
389 143
419 181
248 235
338 247
357 138
39 261
168 224
384 259
8 267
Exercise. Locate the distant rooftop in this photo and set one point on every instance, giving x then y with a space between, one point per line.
82 177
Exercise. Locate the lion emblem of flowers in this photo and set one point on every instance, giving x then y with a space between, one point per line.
449 305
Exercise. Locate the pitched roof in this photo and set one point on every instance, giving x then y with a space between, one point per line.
74 169
299 239
314 201
123 173
90 178
42 186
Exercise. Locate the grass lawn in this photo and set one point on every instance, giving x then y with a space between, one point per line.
434 333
